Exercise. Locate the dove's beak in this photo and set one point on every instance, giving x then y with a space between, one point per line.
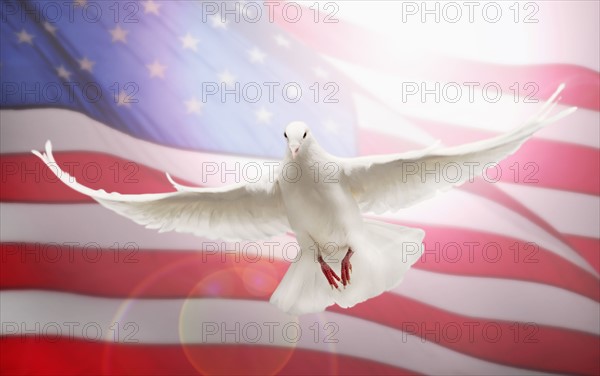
294 149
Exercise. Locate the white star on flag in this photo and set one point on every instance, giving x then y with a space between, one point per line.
86 64
217 22
63 72
256 55
124 99
331 126
151 7
320 72
189 42
24 37
119 34
263 116
194 106
156 69
227 78
282 41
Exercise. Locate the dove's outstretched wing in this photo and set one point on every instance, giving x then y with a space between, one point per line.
235 212
392 182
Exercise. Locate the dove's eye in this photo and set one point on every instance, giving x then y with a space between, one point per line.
304 135
284 134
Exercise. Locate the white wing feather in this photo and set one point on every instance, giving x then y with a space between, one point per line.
392 182
234 212
180 187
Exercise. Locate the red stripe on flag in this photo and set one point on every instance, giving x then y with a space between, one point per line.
64 356
588 248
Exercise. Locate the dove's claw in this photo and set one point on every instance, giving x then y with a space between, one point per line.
346 267
329 274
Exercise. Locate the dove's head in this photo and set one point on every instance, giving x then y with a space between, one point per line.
298 137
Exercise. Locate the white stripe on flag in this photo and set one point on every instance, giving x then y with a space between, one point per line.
569 212
503 299
457 208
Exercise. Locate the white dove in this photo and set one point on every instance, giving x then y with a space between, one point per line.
321 198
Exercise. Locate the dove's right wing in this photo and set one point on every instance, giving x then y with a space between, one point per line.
392 182
235 212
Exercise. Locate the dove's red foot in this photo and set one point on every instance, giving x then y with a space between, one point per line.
329 273
346 267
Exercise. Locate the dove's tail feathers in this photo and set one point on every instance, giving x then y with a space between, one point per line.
383 253
380 261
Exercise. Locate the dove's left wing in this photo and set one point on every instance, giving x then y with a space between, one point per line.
392 182
235 212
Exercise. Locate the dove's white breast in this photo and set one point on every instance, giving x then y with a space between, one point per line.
319 204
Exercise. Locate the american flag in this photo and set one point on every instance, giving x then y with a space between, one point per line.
127 90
